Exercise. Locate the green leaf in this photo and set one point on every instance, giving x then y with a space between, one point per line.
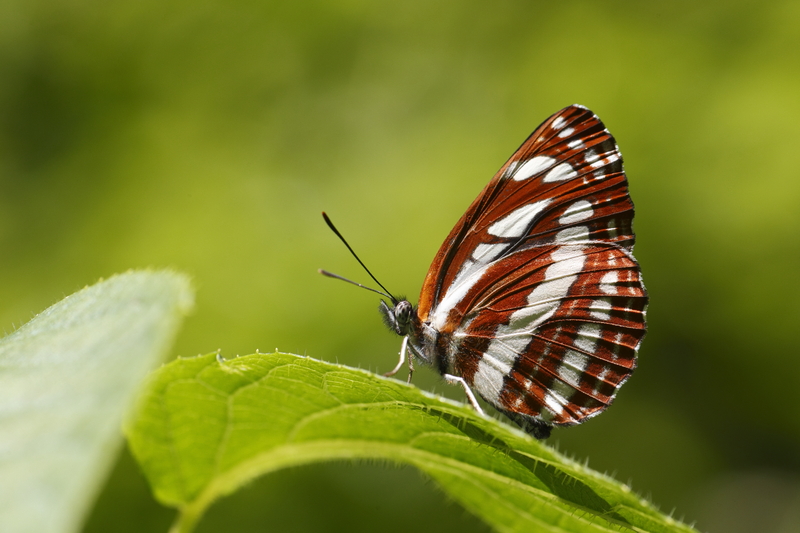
206 426
67 378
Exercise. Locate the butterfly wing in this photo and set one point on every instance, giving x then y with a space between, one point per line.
535 297
552 331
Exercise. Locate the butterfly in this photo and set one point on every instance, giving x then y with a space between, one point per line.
535 300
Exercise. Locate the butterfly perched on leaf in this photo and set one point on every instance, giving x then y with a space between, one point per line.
535 300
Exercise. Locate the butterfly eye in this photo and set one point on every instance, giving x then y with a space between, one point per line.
403 313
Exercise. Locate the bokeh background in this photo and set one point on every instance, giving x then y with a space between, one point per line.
208 136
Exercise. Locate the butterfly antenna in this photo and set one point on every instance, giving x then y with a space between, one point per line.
360 262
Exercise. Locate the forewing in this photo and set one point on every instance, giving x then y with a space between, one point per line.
550 332
565 184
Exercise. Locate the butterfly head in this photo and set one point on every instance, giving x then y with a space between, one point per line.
399 318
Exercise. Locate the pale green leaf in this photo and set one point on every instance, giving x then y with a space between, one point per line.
67 378
206 426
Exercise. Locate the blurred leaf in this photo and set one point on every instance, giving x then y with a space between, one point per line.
206 426
66 380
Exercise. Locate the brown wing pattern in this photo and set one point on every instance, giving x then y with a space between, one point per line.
535 294
552 331
570 161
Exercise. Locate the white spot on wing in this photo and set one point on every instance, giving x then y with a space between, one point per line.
558 123
517 222
488 380
576 360
484 253
533 166
566 133
565 253
600 309
574 234
588 335
554 403
561 172
496 364
608 282
572 367
614 156
461 285
580 210
574 145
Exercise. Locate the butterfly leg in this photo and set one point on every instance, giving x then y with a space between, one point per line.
455 380
410 359
401 361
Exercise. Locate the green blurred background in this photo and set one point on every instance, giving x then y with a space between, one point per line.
208 136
